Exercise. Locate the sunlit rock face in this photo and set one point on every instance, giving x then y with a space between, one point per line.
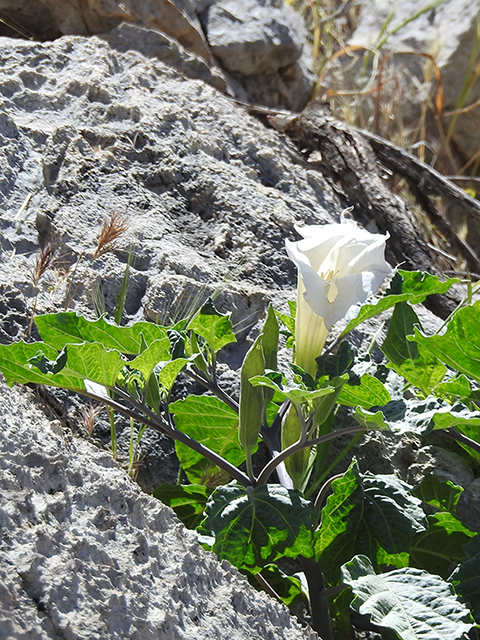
209 194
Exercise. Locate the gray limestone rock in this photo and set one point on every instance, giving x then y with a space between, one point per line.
87 129
254 36
85 555
50 19
209 193
152 43
263 44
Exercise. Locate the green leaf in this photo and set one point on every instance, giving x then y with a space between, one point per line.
414 603
459 346
374 515
211 422
292 393
188 501
254 527
289 588
439 549
287 321
89 361
216 328
369 393
178 340
59 329
406 286
419 416
156 351
442 495
170 370
49 366
466 578
458 387
412 361
335 365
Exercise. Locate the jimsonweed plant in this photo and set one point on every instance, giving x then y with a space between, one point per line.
326 542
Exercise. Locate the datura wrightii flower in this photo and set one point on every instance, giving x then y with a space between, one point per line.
339 265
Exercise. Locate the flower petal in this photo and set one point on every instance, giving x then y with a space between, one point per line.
319 241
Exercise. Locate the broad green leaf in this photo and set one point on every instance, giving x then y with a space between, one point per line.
412 361
59 329
374 515
297 394
406 286
442 495
459 346
89 361
211 422
254 527
414 603
335 365
419 416
371 420
471 429
188 501
369 393
458 387
439 549
156 351
216 328
302 378
289 588
178 341
287 321
466 578
170 370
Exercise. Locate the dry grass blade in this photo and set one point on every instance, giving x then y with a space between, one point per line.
44 261
12 24
89 418
438 79
112 229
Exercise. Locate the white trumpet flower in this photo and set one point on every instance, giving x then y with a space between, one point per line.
339 265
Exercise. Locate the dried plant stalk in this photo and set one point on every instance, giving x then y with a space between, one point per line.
43 262
112 229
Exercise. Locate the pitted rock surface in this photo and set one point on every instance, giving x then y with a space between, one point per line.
85 555
87 130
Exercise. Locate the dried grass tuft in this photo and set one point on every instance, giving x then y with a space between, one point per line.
112 229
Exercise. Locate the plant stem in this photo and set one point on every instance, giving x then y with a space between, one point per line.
270 467
318 597
267 587
322 494
329 469
214 388
113 433
159 424
459 437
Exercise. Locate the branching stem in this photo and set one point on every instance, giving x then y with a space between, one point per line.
270 467
153 421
